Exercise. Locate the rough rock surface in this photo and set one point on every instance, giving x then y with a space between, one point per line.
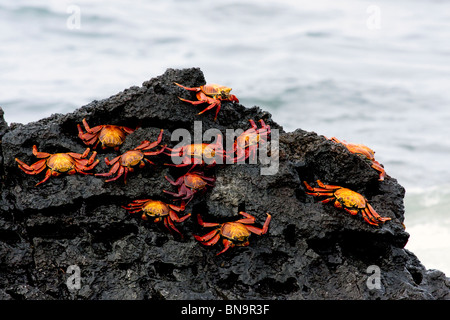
312 250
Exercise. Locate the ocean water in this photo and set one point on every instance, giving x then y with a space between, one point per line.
372 72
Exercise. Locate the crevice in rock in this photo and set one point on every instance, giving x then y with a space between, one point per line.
270 286
290 234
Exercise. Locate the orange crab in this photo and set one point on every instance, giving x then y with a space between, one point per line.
189 184
198 154
235 233
126 162
158 211
349 200
108 135
59 163
364 151
212 94
247 143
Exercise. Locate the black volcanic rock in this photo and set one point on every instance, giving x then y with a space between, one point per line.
311 251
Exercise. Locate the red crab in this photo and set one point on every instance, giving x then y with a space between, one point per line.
212 94
247 143
158 211
59 163
364 151
189 184
126 162
234 233
199 154
347 199
108 135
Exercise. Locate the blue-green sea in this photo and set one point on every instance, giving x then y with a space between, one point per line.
371 72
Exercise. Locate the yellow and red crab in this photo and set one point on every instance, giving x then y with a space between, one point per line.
108 135
211 94
349 200
189 184
198 154
246 145
235 233
58 163
126 162
365 152
158 211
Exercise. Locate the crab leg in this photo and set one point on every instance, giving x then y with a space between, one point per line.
86 136
336 204
79 170
189 194
190 89
174 183
377 166
113 161
35 168
128 130
83 166
210 238
91 166
179 165
334 139
353 212
206 224
153 153
142 163
92 158
327 187
175 217
248 218
147 145
374 214
368 217
48 174
264 125
174 151
115 168
209 179
79 156
169 225
91 140
88 129
320 194
40 154
227 245
313 189
213 103
136 206
89 132
192 102
120 172
211 106
176 195
179 208
264 229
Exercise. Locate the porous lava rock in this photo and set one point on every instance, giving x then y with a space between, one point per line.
311 251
